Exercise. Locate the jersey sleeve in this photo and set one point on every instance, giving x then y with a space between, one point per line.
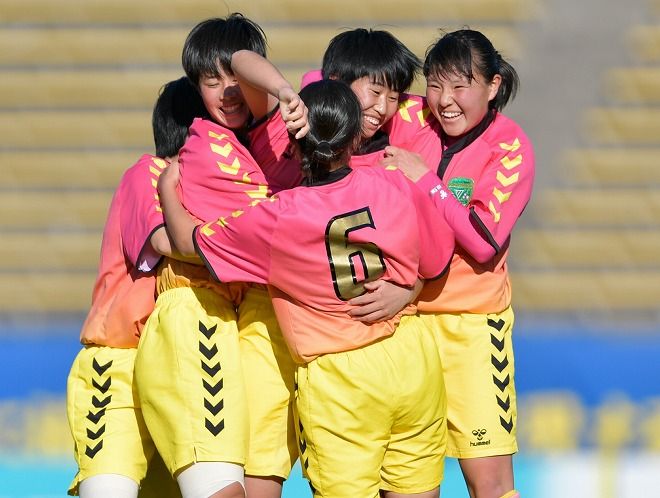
499 198
436 237
141 213
236 248
411 117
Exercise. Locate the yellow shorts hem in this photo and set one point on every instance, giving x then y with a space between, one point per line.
482 452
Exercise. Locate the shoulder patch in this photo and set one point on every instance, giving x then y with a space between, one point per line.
462 189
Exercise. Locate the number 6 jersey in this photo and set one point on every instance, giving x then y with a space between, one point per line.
315 246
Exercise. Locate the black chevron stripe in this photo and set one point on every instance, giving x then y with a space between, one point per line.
501 384
102 387
98 403
91 452
214 409
214 429
504 405
508 425
496 324
95 435
208 353
303 446
100 369
95 417
499 365
207 332
211 370
213 390
497 343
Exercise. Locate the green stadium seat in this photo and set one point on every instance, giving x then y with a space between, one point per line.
116 46
86 129
613 166
585 248
48 251
50 211
83 169
635 85
40 292
623 125
592 208
338 11
585 291
644 42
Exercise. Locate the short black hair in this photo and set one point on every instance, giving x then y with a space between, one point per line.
465 51
335 120
378 54
177 105
210 45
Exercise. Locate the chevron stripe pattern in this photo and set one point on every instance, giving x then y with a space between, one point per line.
212 380
95 418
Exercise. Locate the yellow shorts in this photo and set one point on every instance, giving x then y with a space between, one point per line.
477 357
374 418
104 415
269 372
190 380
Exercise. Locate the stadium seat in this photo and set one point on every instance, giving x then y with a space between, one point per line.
623 125
613 166
67 251
634 85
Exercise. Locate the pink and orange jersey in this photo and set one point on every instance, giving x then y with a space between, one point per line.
123 297
490 177
271 149
218 174
315 246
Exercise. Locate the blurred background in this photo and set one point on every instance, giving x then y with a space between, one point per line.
78 79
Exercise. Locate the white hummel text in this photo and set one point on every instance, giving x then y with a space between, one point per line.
438 188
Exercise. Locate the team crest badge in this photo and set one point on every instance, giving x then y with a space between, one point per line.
462 189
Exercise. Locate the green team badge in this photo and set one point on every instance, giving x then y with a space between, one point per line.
462 189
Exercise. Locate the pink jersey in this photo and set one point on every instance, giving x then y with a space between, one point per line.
218 174
272 150
123 298
314 246
491 181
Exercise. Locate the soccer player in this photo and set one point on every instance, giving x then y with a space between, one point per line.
379 68
482 170
369 396
112 446
188 365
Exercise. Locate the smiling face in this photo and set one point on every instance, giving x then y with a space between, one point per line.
223 100
458 103
379 103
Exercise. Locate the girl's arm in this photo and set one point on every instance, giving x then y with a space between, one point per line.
264 87
180 225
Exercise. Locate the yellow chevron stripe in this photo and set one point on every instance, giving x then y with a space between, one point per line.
155 171
159 209
213 134
403 109
260 193
423 115
224 150
154 183
391 167
511 163
512 147
159 162
254 202
237 213
507 180
230 169
501 196
496 214
207 230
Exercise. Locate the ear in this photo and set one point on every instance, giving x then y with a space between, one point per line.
494 86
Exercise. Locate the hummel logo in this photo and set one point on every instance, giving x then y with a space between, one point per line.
479 433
